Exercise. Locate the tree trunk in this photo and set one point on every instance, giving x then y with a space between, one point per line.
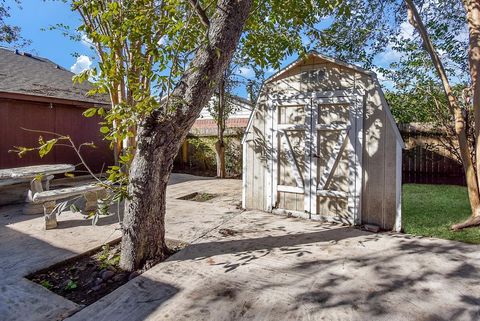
220 158
220 144
161 133
143 241
457 113
472 9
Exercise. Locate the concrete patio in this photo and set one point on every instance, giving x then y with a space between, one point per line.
266 268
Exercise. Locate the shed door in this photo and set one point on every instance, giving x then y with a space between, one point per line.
317 169
290 170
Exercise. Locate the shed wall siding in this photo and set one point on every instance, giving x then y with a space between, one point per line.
256 161
379 159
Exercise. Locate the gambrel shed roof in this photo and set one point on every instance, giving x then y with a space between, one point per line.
339 63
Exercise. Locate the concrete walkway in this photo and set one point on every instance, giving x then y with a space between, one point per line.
289 269
26 247
271 268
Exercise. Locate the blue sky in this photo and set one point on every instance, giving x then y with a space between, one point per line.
35 15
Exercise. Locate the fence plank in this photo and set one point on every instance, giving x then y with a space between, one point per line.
426 165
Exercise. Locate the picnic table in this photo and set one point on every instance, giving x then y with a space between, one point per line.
35 175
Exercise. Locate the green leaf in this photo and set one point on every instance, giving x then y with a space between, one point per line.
47 147
90 112
46 284
71 285
74 208
104 130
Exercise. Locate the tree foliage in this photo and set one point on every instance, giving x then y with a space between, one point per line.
436 46
145 46
155 62
384 40
9 33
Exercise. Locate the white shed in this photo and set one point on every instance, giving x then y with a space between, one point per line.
321 143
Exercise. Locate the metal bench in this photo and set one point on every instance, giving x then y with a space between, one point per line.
48 199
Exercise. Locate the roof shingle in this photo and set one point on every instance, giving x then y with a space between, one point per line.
26 74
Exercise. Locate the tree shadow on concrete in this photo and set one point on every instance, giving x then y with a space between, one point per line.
25 248
286 276
249 249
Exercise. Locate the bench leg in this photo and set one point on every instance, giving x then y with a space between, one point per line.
30 207
91 200
35 187
50 215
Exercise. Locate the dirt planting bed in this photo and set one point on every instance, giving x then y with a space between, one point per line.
92 275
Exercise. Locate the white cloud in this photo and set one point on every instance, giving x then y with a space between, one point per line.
83 63
380 75
406 30
86 41
246 72
390 54
463 35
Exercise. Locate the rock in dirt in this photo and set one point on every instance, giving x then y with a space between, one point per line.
118 277
133 275
107 274
98 281
99 287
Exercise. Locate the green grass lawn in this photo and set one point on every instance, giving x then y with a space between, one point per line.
430 210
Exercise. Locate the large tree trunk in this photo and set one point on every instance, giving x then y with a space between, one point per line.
457 113
143 239
472 8
160 135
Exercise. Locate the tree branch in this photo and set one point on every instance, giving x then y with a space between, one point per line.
200 12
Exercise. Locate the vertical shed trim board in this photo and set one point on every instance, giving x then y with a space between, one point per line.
359 113
352 165
310 195
244 175
398 216
390 179
271 198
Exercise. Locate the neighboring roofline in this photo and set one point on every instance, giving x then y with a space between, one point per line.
30 55
49 99
77 96
241 99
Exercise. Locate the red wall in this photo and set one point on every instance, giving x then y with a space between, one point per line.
61 119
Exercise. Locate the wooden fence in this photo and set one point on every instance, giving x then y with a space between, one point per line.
423 164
